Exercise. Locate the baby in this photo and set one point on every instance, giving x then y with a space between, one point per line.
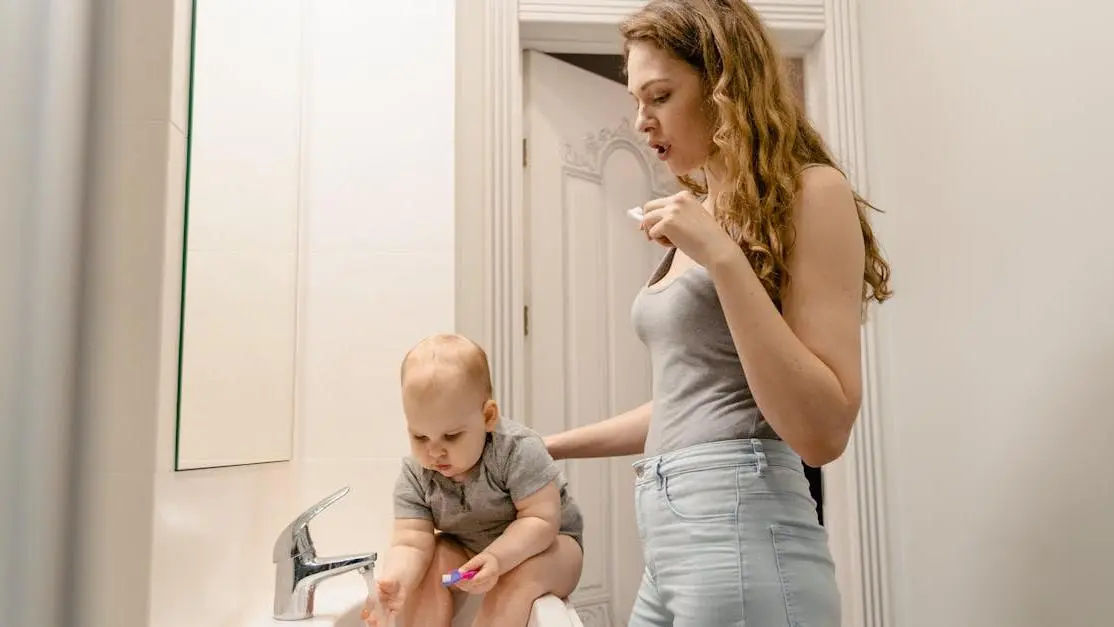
479 494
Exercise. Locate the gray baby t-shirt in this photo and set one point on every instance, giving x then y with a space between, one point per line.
514 465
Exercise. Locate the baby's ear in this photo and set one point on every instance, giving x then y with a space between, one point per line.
491 415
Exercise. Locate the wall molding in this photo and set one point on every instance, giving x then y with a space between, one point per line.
576 11
489 205
836 77
779 14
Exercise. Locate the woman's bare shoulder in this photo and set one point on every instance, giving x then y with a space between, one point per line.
816 177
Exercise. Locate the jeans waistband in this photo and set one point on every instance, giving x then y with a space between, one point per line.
758 453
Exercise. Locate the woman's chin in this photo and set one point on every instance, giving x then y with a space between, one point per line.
677 170
678 167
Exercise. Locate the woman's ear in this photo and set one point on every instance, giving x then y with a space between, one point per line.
491 414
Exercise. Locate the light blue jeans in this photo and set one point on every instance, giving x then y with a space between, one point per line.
730 538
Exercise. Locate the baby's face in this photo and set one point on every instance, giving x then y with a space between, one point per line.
448 431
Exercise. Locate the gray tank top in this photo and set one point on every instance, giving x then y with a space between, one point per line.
700 392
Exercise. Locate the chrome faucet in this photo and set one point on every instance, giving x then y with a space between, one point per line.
298 570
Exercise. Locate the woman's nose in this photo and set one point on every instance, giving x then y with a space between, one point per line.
642 122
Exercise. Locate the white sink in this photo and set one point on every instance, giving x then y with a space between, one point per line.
338 603
340 600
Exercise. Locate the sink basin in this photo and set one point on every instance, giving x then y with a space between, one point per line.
339 601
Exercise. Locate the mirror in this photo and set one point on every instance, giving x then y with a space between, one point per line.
240 285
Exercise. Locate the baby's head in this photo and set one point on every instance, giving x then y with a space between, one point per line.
446 395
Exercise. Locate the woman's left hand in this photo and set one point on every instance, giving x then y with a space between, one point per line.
680 220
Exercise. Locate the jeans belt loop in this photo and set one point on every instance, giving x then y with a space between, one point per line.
759 457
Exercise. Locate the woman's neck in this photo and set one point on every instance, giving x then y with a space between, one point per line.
715 188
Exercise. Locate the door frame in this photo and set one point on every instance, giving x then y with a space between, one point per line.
489 231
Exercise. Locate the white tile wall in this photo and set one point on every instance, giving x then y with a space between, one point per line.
360 304
362 520
381 112
213 534
378 271
165 548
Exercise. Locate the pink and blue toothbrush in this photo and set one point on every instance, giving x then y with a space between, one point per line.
455 576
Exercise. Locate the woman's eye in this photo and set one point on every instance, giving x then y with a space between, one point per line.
660 99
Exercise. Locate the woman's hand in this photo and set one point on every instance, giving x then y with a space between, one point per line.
680 220
487 574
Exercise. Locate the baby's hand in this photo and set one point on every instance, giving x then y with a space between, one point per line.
381 612
487 574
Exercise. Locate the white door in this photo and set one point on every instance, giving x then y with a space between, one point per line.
586 165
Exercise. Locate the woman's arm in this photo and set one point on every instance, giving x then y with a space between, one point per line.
803 364
624 434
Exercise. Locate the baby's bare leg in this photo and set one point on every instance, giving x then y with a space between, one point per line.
431 605
555 570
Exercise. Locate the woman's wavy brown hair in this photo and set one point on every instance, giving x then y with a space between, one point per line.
762 136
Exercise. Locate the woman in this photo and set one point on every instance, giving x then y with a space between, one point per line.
752 323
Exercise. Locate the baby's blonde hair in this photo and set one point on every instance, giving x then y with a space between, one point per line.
450 355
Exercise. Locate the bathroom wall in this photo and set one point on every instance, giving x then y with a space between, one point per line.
988 131
996 353
165 548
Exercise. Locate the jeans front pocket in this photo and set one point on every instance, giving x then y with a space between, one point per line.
704 494
807 574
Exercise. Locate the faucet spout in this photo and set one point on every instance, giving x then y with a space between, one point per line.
318 570
298 570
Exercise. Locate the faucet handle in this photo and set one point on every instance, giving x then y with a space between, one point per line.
295 539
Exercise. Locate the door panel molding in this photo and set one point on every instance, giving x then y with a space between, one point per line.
589 157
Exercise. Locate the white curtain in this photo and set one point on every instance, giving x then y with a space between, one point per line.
44 106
